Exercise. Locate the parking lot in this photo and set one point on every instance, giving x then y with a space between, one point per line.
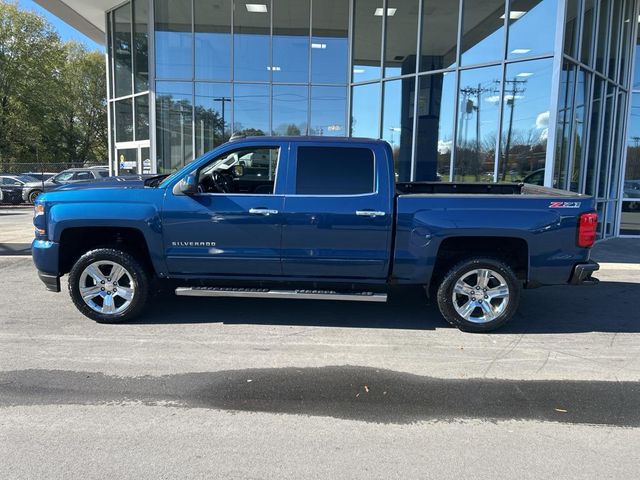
248 388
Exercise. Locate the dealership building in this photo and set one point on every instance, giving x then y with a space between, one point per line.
463 90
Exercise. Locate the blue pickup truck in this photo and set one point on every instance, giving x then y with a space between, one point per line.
310 218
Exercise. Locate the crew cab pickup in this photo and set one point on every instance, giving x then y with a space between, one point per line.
310 218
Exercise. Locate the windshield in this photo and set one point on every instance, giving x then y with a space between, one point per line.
61 177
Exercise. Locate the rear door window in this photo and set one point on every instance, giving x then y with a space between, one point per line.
335 171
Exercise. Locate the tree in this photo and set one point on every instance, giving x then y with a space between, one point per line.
52 94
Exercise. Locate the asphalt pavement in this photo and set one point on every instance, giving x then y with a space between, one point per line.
249 388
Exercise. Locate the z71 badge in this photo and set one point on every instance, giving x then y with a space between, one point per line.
564 204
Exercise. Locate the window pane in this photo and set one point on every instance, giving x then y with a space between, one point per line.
564 124
482 31
627 29
603 29
525 119
142 117
532 28
479 110
251 43
606 146
249 171
213 39
434 138
614 179
124 120
632 172
141 44
367 40
402 33
329 43
365 111
630 218
122 49
636 70
397 124
290 109
571 28
174 126
614 46
173 39
316 167
328 111
212 114
588 30
582 94
251 109
594 130
439 35
291 41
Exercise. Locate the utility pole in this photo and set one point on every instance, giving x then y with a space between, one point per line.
223 100
517 87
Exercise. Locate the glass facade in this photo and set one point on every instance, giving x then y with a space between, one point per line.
465 91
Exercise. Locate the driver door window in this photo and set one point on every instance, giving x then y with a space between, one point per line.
249 171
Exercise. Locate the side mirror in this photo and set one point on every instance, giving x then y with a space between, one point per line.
187 186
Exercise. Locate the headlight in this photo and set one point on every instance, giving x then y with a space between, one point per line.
38 209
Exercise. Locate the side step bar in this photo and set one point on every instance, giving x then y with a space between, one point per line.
269 293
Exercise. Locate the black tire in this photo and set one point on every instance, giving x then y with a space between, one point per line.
33 195
139 281
445 295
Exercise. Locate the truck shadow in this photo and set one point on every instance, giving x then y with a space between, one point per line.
608 307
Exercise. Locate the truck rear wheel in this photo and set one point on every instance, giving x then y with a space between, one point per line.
479 294
108 285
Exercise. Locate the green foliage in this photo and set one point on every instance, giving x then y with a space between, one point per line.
52 94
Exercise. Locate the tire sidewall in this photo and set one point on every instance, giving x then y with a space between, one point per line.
33 195
445 294
139 276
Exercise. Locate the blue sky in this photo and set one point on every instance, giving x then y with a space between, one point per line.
65 31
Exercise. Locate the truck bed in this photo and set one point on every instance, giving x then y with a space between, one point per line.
420 188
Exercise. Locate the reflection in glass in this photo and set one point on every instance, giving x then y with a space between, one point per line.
329 42
251 43
290 109
212 39
588 30
572 28
525 119
627 23
291 41
564 125
532 28
434 138
124 120
594 129
616 163
141 45
367 40
328 111
630 218
636 70
632 172
614 42
397 124
173 125
251 109
122 50
142 117
173 39
212 115
482 31
439 35
601 38
365 111
605 148
402 31
478 117
582 94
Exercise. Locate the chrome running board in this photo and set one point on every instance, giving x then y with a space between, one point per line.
290 294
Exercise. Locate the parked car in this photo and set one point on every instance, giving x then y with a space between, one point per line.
72 175
329 222
40 176
11 187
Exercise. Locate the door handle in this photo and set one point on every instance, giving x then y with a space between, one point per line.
262 211
370 213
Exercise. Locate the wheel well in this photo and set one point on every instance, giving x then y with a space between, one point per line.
74 242
513 251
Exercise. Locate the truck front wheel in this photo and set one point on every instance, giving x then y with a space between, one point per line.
479 294
108 285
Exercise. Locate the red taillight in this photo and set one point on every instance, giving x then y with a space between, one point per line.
587 229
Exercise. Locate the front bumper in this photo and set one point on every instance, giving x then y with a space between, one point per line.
51 282
582 273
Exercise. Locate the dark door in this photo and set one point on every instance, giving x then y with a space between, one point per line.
233 226
338 218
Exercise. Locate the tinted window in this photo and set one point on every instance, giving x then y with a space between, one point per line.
83 176
334 171
102 173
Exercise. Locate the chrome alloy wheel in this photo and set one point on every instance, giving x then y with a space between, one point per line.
481 295
107 287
